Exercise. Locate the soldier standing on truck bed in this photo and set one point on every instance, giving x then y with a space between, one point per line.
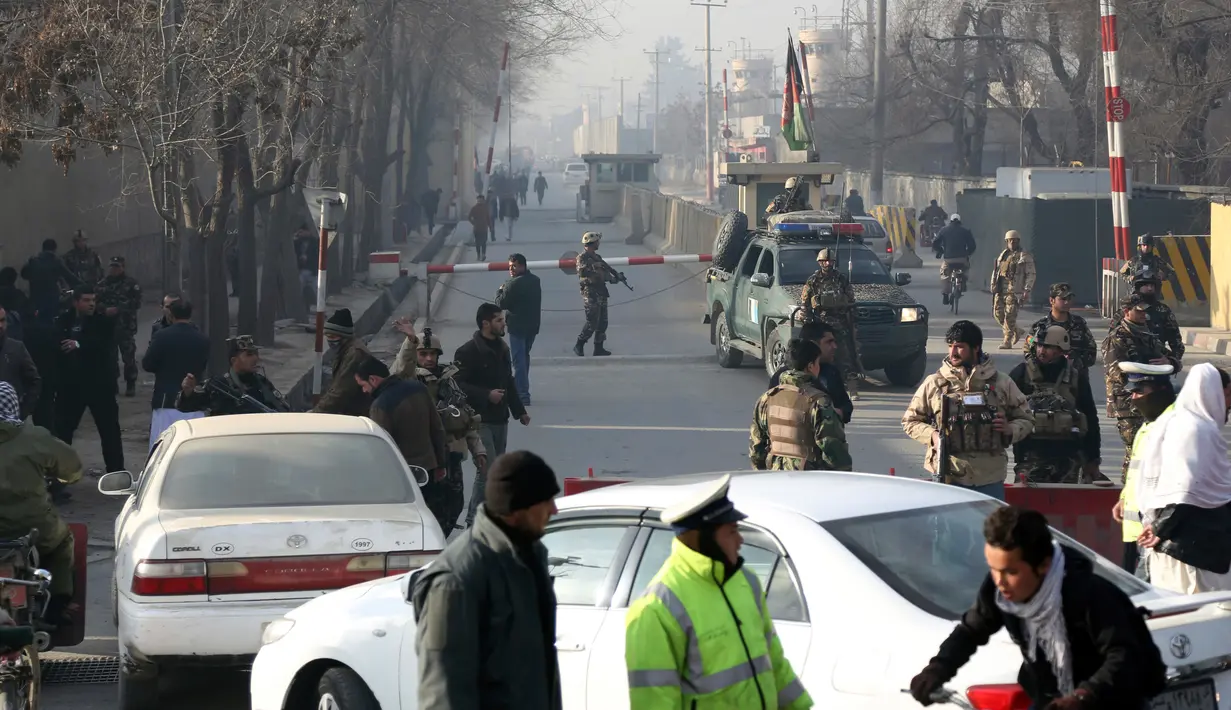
828 297
594 275
1011 283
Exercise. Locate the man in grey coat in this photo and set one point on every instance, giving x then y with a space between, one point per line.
485 609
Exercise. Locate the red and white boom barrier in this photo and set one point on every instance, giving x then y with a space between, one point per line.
566 264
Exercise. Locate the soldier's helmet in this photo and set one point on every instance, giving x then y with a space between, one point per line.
241 344
1145 240
591 238
826 254
430 341
1012 234
791 182
1054 335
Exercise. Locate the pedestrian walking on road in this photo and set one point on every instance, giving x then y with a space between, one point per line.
486 376
119 295
509 209
521 297
540 187
404 408
593 274
87 371
342 394
18 369
47 275
480 219
1011 282
701 635
430 202
307 256
177 350
1084 643
486 611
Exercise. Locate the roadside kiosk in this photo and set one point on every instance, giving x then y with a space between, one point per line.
609 172
760 183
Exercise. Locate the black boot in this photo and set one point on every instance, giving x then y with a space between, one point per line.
579 349
131 389
599 350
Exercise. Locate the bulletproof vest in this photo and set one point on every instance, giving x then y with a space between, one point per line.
828 294
1008 265
788 415
1054 404
454 415
969 426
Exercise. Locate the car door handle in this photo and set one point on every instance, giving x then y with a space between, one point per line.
567 645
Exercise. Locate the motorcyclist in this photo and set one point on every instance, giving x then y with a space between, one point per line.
953 246
934 212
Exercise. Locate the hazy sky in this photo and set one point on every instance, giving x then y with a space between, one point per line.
639 23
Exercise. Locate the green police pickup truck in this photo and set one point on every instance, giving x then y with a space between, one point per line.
754 286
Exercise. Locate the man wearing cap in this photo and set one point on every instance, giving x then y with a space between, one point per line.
787 202
828 296
1153 395
1145 258
1130 340
1011 283
119 296
485 634
954 247
221 395
593 274
794 425
1160 318
342 394
86 375
701 635
83 261
1064 445
1082 348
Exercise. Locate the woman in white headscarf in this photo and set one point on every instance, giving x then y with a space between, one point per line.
1184 489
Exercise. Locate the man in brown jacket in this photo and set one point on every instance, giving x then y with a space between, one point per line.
343 395
480 218
987 414
405 409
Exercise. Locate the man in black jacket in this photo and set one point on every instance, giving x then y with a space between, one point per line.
177 350
87 375
486 610
954 246
830 378
486 376
522 299
46 272
17 368
1084 644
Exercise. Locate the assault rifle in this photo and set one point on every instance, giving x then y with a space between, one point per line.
622 279
238 398
941 475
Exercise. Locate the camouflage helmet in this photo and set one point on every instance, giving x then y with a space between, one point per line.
791 182
430 341
241 344
826 254
591 238
1055 335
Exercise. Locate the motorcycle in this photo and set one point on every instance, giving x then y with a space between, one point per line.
929 230
24 595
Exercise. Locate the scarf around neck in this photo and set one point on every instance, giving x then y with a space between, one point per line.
1043 620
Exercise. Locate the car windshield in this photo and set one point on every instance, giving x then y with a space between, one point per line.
861 266
872 229
282 470
933 557
575 168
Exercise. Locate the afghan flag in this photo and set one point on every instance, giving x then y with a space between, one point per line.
795 129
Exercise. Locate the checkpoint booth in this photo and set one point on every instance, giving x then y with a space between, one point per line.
760 183
609 172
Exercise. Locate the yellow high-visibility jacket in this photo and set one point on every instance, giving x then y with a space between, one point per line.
685 650
1132 526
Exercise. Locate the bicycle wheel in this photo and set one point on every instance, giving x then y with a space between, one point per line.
954 298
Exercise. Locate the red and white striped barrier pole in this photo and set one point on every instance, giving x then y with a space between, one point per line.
422 270
1117 111
501 86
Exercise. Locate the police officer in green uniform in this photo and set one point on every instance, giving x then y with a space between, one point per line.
1152 395
701 635
224 394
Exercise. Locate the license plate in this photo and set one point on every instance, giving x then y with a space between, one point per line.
1189 696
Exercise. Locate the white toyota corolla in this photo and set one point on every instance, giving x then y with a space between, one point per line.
237 520
864 575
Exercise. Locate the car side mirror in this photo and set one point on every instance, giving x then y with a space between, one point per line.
420 474
901 278
117 483
761 279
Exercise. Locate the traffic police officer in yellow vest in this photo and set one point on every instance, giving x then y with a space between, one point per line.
1153 395
701 636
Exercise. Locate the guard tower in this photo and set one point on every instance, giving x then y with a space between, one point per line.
826 49
760 183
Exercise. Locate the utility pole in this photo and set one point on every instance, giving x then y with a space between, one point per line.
878 106
709 98
620 111
656 54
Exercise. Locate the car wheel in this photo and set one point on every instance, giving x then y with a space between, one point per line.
138 686
775 352
730 241
341 688
728 356
907 373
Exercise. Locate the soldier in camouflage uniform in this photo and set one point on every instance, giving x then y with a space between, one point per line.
1130 340
794 425
785 202
1146 259
419 357
83 261
1083 351
594 275
1011 283
1159 316
120 295
242 379
827 296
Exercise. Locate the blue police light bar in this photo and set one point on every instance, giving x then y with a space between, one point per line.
802 228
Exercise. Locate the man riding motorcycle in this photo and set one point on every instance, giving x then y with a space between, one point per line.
954 246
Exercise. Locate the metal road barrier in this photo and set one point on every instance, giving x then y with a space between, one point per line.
901 225
1187 292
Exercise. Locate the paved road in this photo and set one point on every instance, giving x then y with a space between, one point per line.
659 406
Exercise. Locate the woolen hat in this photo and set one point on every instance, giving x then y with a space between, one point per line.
518 480
340 323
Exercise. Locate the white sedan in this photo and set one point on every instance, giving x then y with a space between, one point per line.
237 520
575 174
864 574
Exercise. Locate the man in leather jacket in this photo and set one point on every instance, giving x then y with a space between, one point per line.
954 246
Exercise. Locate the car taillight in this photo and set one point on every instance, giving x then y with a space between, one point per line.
851 228
998 697
888 248
401 562
162 578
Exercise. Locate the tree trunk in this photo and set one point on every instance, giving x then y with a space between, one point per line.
193 230
246 240
227 115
